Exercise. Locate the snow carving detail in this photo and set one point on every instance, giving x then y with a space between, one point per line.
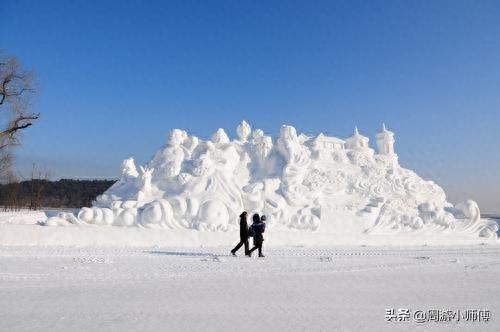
299 182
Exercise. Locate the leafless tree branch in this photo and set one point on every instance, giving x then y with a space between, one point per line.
16 88
21 122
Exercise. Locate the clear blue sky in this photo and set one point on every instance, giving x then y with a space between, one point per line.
116 76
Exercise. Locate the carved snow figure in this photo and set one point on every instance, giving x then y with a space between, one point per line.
291 148
257 134
168 161
262 197
297 160
129 172
220 136
243 131
275 206
212 197
253 197
145 187
190 143
261 147
298 182
241 145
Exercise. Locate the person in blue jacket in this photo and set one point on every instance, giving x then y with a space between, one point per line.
257 229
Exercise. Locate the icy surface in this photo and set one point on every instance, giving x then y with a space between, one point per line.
322 185
292 289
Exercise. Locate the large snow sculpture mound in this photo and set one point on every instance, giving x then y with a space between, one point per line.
315 184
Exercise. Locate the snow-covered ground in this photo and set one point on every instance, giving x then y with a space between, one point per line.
292 289
96 286
25 228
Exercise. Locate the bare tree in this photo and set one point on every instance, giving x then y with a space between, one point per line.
16 87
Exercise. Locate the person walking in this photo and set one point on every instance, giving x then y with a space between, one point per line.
257 229
243 235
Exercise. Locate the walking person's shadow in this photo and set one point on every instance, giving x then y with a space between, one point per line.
183 253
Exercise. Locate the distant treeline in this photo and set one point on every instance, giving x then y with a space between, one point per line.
64 193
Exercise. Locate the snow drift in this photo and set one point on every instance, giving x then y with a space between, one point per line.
319 185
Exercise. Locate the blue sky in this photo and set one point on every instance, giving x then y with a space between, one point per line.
116 76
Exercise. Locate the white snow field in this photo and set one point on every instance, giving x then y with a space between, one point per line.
292 289
98 278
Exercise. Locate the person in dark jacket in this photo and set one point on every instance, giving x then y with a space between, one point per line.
258 229
243 235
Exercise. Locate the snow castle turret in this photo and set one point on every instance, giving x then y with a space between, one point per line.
385 141
357 141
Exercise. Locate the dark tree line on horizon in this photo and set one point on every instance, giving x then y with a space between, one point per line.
41 193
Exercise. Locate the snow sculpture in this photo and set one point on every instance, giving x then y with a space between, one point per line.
324 148
385 141
243 131
220 136
128 169
172 157
385 146
145 187
96 216
297 160
470 220
261 147
157 213
301 183
123 189
357 141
